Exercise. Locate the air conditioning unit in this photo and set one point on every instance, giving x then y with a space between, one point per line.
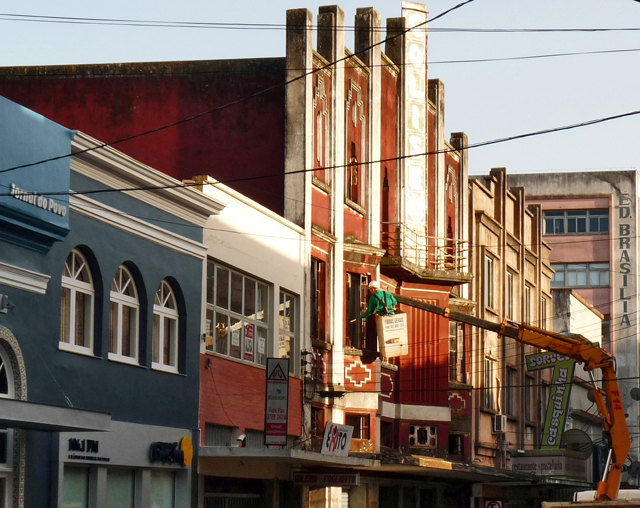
499 424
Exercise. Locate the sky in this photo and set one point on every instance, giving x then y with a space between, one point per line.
486 100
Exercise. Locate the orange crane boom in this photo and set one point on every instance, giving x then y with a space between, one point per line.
591 356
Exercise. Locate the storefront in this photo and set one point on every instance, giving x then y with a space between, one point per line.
132 465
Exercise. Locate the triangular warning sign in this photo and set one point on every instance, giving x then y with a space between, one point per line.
278 374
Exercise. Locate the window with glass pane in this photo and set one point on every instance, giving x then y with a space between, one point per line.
165 329
526 311
488 281
287 339
239 316
512 385
120 488
123 319
574 275
489 399
528 397
318 299
76 305
508 296
162 491
75 487
543 313
576 222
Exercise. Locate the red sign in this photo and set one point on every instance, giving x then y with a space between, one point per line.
248 343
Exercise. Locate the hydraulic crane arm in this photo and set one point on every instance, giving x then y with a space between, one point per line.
591 356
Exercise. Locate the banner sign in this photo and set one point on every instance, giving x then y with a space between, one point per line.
336 440
277 402
326 479
563 368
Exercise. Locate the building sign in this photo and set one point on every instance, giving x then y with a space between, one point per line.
336 439
129 445
559 465
560 391
415 115
277 403
625 257
327 479
172 453
85 450
35 198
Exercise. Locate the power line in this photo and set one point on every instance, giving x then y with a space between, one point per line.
281 26
250 96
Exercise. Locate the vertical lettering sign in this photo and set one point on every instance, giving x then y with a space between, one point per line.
277 403
415 115
625 252
563 368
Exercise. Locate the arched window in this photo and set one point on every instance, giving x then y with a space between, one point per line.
165 329
76 307
6 435
123 318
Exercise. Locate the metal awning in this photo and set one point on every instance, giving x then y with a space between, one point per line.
20 414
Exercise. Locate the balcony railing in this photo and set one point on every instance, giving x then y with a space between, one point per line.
423 251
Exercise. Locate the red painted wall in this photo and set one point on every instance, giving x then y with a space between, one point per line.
423 374
233 394
113 102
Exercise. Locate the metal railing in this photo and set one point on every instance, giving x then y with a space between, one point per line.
424 251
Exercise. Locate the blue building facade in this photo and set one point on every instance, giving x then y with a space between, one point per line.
101 276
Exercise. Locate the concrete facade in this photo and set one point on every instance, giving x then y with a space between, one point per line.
512 281
613 245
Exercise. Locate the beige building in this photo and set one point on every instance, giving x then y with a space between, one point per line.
512 280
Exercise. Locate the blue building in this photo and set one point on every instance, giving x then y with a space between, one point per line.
101 276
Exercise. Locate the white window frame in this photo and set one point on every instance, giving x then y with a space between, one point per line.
229 324
75 264
165 307
122 281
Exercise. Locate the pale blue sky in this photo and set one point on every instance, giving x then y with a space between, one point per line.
485 100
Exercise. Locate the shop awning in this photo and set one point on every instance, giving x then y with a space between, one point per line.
270 462
20 414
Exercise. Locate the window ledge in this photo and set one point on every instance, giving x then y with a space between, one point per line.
352 351
164 368
63 346
355 207
320 184
489 411
125 359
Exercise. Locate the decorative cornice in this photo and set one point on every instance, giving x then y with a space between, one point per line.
119 171
115 218
324 235
20 278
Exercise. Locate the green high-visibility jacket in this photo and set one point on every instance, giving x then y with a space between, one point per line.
381 302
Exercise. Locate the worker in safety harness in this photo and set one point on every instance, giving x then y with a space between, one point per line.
381 302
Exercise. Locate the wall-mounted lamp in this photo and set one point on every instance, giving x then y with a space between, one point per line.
5 304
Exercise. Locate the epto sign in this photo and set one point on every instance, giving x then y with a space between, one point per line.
336 440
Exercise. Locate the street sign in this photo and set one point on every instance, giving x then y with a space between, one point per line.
277 402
